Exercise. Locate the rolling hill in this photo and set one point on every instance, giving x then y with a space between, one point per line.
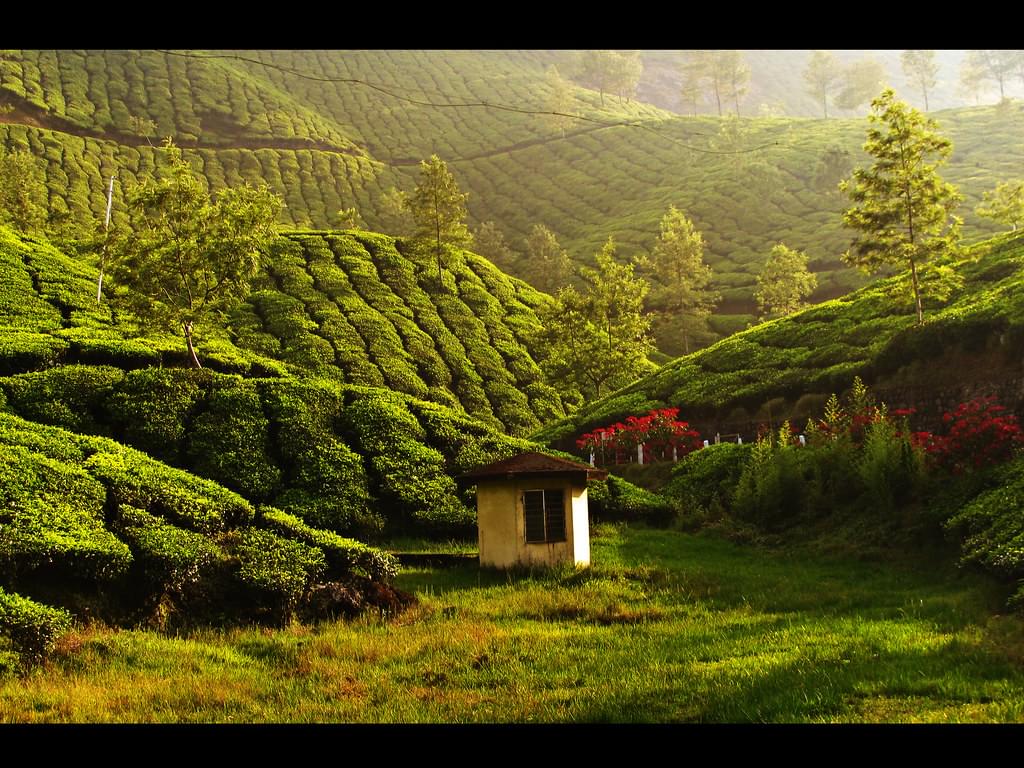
969 344
330 130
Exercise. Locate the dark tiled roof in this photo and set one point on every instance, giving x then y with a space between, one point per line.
533 463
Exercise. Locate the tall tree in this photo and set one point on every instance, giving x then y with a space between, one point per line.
901 207
692 74
599 339
600 69
920 69
784 282
188 257
735 74
628 71
439 209
22 191
981 67
1004 204
861 81
548 260
822 75
677 262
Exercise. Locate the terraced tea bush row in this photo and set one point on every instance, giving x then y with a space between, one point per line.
99 528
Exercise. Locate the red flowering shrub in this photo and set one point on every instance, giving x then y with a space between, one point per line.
980 433
662 435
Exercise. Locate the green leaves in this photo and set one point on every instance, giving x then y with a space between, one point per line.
188 256
784 282
902 208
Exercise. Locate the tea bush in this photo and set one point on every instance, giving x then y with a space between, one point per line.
32 628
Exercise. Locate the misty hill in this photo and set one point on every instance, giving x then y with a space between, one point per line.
348 141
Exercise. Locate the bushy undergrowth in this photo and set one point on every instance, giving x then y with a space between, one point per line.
29 627
615 499
102 529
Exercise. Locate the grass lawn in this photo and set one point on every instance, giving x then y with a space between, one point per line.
666 627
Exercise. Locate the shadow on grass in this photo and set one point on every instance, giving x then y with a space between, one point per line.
957 682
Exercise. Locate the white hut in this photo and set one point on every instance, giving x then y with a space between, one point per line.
532 510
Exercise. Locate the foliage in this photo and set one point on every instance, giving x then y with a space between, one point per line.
998 66
784 282
725 72
901 207
862 80
32 628
22 193
822 75
991 527
1004 204
615 499
276 570
549 260
438 208
186 256
343 555
704 481
611 71
677 262
978 433
598 339
920 68
663 436
168 556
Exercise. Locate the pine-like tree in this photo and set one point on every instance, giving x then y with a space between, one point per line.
677 262
902 208
439 209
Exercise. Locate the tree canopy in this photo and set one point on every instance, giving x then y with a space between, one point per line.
599 339
822 74
920 69
187 256
677 263
902 209
1004 204
438 208
22 191
784 282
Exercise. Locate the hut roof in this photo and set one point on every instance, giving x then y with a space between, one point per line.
532 463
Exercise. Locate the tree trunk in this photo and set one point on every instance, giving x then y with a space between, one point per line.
193 360
917 292
925 99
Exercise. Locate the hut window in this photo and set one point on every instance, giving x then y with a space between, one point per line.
545 515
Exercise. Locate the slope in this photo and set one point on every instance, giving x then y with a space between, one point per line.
747 184
786 368
346 306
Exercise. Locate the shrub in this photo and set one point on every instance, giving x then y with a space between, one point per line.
343 555
170 556
617 499
135 480
229 441
69 396
273 571
32 628
706 479
151 407
772 489
51 517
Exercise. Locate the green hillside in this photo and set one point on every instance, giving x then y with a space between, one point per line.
346 306
788 367
353 125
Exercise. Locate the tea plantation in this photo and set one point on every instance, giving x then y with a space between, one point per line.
330 130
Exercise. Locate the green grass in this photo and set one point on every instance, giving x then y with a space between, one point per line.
666 627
